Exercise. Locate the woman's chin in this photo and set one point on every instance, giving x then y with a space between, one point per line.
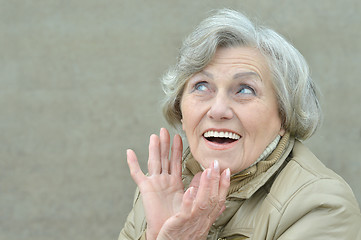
225 161
229 155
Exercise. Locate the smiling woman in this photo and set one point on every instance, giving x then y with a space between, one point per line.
244 98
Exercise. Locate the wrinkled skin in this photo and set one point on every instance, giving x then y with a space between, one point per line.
170 212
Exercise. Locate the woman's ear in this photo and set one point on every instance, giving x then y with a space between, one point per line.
282 132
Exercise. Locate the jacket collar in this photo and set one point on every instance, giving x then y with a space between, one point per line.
247 182
277 158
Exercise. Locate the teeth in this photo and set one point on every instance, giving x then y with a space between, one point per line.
222 135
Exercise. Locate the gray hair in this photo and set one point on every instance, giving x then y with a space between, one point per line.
296 93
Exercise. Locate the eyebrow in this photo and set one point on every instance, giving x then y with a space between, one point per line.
236 76
246 74
210 75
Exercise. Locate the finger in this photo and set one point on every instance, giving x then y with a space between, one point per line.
222 195
154 163
164 149
187 201
196 180
134 168
214 198
176 156
195 183
215 177
202 199
224 183
208 200
221 211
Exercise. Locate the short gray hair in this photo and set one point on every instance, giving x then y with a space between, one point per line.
296 92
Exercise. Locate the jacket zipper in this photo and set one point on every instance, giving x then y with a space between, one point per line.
217 230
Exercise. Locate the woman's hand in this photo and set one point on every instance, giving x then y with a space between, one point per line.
200 207
162 190
171 213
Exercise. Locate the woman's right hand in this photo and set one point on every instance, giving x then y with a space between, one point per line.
201 206
162 190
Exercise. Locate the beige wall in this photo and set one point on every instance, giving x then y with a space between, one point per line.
79 84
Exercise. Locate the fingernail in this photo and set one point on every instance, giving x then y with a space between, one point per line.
228 173
216 165
209 172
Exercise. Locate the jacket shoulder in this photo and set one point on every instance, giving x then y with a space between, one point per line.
310 198
305 173
135 225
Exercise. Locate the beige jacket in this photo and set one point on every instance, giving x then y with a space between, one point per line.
296 198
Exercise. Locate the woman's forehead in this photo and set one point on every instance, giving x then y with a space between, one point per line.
239 62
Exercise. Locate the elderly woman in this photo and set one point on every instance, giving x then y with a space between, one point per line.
244 98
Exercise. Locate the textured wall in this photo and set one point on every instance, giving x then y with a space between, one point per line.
79 84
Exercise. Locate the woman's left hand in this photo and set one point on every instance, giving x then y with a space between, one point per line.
200 207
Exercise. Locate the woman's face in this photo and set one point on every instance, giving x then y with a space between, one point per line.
230 110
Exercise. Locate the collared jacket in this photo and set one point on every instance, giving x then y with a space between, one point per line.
296 198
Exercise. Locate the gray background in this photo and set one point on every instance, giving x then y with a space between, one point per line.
79 84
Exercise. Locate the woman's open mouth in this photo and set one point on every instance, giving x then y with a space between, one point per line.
221 138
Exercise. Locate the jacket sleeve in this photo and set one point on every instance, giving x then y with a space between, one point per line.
134 227
324 209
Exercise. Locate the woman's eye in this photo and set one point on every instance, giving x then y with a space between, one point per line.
247 90
201 86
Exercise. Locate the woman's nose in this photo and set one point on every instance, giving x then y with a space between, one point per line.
220 108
